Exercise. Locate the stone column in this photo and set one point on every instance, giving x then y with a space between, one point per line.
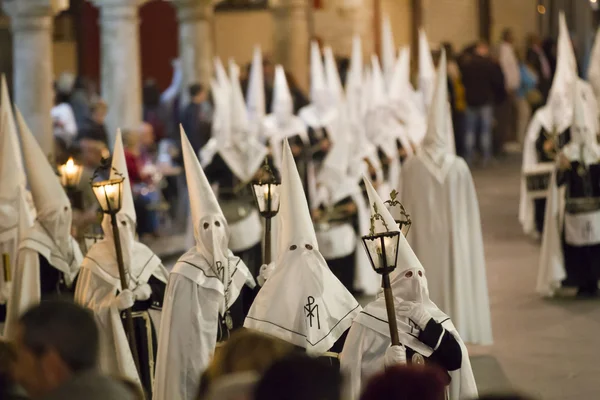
195 19
121 70
31 25
292 38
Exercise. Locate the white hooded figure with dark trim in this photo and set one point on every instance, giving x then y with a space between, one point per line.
302 302
99 288
427 335
203 302
231 160
571 238
48 257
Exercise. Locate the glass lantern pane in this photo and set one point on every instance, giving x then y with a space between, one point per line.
373 249
391 249
259 194
274 189
108 194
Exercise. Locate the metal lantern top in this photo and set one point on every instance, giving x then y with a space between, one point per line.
70 173
109 193
381 247
399 213
266 192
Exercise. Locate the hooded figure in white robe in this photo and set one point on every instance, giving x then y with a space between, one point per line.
405 103
323 120
99 289
571 237
238 157
201 303
362 160
302 302
438 191
384 130
388 50
427 335
15 214
426 73
48 258
282 124
549 130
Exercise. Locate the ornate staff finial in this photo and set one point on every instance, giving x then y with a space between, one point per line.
376 217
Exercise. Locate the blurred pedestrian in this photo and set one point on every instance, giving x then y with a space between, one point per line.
404 382
507 109
57 353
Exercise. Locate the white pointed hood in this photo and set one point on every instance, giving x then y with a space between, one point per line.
436 149
255 93
302 302
400 82
583 146
12 171
281 90
388 49
239 113
139 261
221 74
318 83
51 234
426 69
355 72
334 83
378 95
298 226
119 164
48 194
558 112
322 111
593 73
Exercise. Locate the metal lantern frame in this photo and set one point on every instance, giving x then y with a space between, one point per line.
111 206
268 189
383 261
266 193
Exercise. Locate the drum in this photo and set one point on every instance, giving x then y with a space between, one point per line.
336 240
236 209
537 180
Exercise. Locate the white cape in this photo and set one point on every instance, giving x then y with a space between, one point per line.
189 324
364 351
97 290
26 291
551 271
446 237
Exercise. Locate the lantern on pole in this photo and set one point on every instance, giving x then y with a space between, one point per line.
266 194
382 250
70 175
109 194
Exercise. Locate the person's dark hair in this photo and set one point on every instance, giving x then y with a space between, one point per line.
404 382
195 89
67 328
61 97
507 34
299 377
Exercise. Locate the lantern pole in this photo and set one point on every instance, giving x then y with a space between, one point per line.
266 187
124 286
107 208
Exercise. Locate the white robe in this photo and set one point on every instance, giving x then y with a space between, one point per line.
446 237
97 290
26 291
364 353
189 323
